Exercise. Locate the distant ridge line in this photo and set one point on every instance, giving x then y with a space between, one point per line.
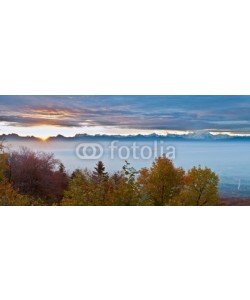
196 136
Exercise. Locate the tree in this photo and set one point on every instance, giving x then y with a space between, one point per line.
101 185
100 189
9 197
3 162
201 188
7 194
77 193
162 182
61 181
75 173
83 190
129 172
37 178
124 188
38 175
99 173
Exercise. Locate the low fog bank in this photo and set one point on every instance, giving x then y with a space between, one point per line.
230 161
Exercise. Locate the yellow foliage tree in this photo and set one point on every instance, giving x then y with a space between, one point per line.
162 182
201 188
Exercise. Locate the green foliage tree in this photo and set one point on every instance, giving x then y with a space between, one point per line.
99 173
129 172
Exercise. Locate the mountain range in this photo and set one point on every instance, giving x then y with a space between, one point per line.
194 136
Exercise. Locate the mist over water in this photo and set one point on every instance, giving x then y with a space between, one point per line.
229 159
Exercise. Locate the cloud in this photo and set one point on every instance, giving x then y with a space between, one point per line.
230 113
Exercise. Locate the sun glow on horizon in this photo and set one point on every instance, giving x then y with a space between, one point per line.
44 132
44 138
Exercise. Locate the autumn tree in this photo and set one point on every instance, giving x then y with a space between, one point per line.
3 162
8 196
75 173
201 188
77 193
61 181
162 182
38 175
125 191
100 189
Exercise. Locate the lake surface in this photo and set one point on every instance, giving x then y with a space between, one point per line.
229 159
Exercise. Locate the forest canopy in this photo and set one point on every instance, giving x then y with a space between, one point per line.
37 178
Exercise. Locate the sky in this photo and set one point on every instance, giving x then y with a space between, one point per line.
45 116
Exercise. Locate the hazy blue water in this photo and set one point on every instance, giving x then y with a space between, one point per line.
230 160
